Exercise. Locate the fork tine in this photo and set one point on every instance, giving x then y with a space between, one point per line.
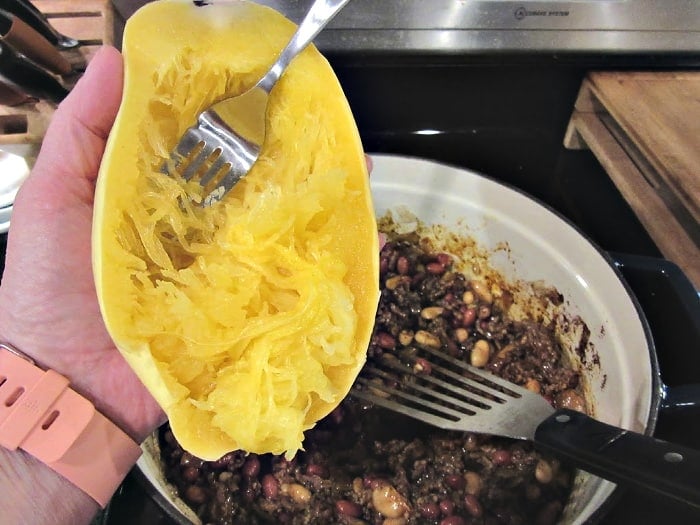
425 404
460 389
486 380
196 163
438 421
452 395
462 401
213 170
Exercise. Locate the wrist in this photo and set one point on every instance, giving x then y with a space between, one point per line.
33 493
44 417
91 363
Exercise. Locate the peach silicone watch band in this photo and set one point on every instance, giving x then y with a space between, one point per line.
40 414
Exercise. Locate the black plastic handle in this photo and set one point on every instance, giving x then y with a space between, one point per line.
31 15
21 73
622 456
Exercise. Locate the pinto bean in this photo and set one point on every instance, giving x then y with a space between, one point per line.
299 493
425 338
570 399
431 312
480 353
389 502
482 291
544 472
473 482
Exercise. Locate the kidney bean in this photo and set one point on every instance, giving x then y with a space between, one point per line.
435 268
447 507
316 469
455 481
251 467
190 474
473 505
385 341
188 460
422 366
403 266
348 508
417 279
429 510
229 460
468 317
270 486
195 494
444 258
501 457
383 265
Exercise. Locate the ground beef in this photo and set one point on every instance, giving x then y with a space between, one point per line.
364 465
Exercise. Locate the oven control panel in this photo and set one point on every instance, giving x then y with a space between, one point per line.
505 25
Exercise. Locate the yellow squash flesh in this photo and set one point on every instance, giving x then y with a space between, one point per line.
249 320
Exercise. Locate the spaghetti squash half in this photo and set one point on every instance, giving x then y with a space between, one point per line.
248 320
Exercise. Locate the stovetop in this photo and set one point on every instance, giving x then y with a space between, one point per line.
459 82
506 119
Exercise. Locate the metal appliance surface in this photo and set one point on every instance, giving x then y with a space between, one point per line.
500 91
502 25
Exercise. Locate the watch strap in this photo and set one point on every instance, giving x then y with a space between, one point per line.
40 414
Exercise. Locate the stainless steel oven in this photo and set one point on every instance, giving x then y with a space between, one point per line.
489 85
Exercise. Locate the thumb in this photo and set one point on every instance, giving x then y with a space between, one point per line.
74 143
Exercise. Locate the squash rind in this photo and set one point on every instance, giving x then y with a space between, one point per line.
247 321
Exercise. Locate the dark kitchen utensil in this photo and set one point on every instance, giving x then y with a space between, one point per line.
10 96
454 395
33 45
25 75
29 13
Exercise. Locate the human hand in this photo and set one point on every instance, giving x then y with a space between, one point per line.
48 303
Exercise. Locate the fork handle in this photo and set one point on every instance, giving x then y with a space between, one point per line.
622 456
318 16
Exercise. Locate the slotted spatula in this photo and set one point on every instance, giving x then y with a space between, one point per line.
453 395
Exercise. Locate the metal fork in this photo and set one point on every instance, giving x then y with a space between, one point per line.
450 394
222 152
